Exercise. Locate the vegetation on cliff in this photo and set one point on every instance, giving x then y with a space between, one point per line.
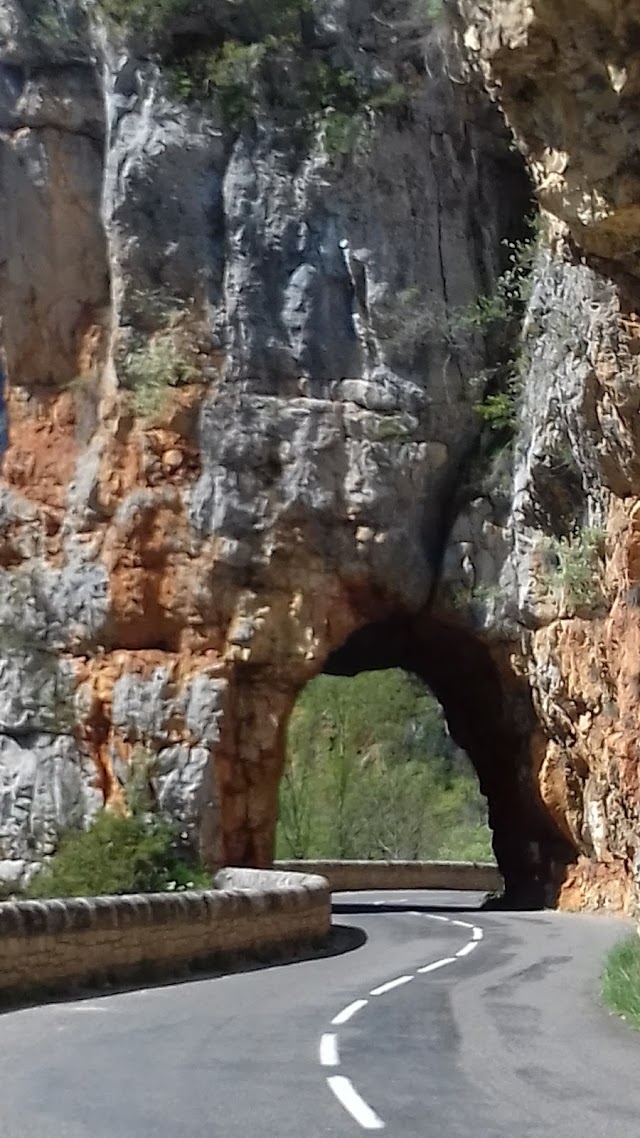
372 773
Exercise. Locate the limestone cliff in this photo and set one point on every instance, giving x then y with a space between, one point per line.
567 77
237 267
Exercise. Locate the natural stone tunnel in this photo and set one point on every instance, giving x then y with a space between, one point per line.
489 714
490 717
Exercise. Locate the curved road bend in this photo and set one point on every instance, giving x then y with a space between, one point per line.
503 1039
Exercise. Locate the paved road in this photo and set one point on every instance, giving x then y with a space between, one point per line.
502 1040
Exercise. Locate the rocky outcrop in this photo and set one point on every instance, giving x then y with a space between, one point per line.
566 76
244 359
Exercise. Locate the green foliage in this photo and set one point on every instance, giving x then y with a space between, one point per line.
135 854
411 327
512 290
343 132
149 371
229 72
150 16
498 409
621 981
139 853
272 62
372 773
391 427
278 71
393 97
428 10
576 576
52 26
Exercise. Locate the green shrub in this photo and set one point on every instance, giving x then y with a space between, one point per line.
343 132
621 981
136 854
498 409
149 371
576 578
229 72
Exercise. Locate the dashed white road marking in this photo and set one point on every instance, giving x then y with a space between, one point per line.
438 964
329 1056
380 991
467 948
349 1098
342 1087
348 1012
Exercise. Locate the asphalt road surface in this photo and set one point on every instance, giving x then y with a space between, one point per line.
448 1022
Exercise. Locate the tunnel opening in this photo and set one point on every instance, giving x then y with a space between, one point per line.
372 772
489 717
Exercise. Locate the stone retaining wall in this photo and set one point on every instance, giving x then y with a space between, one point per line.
354 875
58 944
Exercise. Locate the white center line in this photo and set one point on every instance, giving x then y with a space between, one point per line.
467 948
349 1011
389 985
342 1087
329 1056
349 1098
438 964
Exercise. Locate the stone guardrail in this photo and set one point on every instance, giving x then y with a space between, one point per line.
354 875
58 945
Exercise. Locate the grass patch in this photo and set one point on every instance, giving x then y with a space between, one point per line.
621 981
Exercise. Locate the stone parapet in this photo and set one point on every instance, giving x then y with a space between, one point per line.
56 945
353 875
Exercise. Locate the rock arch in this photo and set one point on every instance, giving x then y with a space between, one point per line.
489 713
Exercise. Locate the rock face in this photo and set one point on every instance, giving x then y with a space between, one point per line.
243 362
567 77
